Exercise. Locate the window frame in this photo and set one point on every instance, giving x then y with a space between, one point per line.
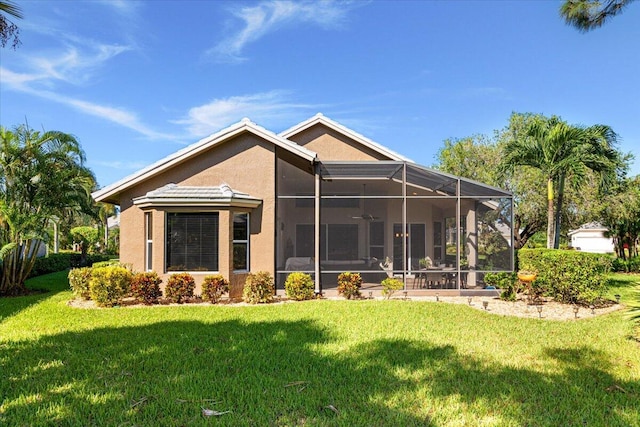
246 242
148 234
168 216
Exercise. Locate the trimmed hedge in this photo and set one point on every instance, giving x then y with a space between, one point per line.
63 261
145 287
179 288
568 276
79 281
299 286
109 285
258 288
213 287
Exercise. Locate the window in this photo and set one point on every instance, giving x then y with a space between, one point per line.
192 241
338 242
241 241
148 224
342 242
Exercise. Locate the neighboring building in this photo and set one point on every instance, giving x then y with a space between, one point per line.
318 198
590 237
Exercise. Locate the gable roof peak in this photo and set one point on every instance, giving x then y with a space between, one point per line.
320 118
110 192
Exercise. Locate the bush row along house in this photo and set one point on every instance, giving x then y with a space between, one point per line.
318 198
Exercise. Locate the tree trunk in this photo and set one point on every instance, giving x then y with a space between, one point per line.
549 213
556 240
17 266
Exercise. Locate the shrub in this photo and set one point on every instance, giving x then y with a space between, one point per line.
631 265
108 263
299 286
258 288
79 282
390 285
180 287
568 276
349 285
505 281
214 287
93 258
108 285
145 287
51 264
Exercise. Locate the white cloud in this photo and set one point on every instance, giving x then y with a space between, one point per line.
115 115
71 66
125 7
272 15
74 66
23 83
267 108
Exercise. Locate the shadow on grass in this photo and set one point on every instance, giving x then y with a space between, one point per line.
284 373
42 286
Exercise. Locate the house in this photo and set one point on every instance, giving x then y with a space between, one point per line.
318 198
590 237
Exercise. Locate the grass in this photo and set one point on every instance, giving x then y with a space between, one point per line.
333 363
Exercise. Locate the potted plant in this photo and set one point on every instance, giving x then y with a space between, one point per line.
425 262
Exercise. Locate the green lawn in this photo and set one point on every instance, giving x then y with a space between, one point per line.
378 363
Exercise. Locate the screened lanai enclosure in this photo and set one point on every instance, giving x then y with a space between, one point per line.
382 219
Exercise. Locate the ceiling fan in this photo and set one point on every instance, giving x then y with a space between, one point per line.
364 215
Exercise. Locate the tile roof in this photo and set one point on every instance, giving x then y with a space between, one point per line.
178 195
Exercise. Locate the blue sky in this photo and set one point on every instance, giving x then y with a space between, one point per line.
136 81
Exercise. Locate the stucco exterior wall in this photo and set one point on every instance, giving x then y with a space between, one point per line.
331 145
247 164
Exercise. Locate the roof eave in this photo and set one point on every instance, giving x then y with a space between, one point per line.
235 202
109 193
332 124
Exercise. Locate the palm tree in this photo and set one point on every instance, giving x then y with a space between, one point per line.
41 175
8 29
106 210
587 15
562 152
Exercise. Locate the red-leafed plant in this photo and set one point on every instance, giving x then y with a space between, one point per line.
180 287
349 285
145 287
214 287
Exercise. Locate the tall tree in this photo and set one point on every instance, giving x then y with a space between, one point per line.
41 174
563 152
478 158
105 211
621 215
9 30
587 15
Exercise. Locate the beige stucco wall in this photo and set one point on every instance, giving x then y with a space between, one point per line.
331 145
247 164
